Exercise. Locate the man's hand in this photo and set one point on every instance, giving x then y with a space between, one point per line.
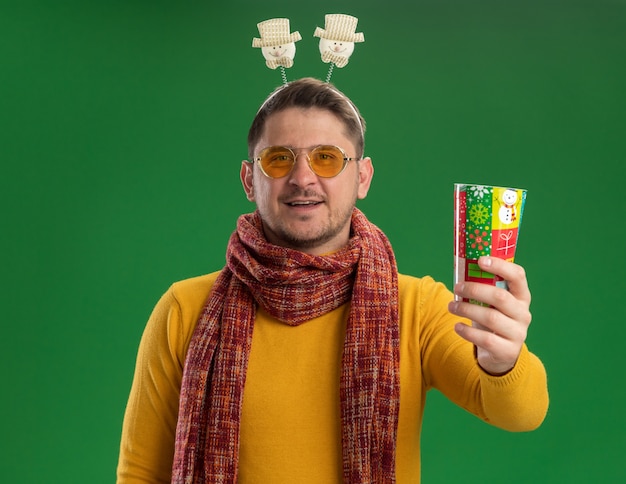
498 332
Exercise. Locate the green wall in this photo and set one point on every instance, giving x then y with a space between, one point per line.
122 128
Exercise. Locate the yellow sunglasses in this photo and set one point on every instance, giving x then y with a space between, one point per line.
326 161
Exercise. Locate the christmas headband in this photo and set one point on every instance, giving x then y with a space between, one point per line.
337 39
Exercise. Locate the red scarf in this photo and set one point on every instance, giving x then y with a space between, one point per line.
294 287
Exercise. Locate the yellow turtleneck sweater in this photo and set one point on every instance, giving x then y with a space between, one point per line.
290 424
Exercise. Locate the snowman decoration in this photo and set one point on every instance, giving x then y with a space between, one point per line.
508 210
337 39
278 46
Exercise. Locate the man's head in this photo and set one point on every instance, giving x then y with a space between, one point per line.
310 93
304 196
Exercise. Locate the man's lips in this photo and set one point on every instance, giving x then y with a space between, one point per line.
302 203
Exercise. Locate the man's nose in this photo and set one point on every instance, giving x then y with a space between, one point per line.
301 173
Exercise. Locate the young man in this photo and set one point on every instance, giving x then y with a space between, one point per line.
307 358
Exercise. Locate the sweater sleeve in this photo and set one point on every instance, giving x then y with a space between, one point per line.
148 432
149 428
516 401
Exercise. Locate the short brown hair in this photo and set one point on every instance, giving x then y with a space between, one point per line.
310 93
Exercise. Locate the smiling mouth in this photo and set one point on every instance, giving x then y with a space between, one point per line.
304 203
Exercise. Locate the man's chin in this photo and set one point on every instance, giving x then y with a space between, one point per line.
300 239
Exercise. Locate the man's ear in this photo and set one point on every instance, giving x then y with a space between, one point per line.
366 173
246 179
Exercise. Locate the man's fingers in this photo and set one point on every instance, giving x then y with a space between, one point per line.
513 274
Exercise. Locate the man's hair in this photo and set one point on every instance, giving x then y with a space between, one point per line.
310 93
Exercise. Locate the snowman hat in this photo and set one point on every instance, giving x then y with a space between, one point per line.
340 27
275 32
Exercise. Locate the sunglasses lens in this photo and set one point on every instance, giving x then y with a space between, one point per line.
327 161
276 161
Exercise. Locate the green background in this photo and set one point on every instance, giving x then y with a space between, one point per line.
122 128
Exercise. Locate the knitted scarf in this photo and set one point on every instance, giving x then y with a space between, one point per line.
294 287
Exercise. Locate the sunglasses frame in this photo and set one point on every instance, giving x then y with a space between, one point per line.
296 151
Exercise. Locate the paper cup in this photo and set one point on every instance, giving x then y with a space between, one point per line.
487 220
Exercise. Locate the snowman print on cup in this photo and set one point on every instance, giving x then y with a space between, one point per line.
508 211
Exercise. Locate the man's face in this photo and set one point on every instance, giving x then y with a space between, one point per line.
302 210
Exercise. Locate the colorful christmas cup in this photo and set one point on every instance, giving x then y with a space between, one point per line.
487 221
